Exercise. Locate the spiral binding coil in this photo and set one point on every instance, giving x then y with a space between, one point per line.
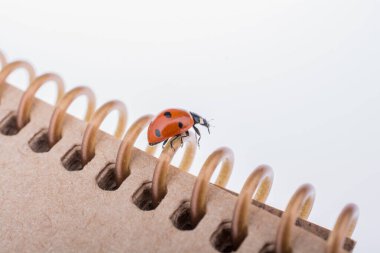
56 121
3 61
9 68
257 185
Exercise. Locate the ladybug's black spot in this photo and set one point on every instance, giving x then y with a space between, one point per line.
180 125
167 114
157 132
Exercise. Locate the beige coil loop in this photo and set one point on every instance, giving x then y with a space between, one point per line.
27 99
300 205
198 202
3 60
57 119
151 149
160 176
259 184
13 66
344 227
125 150
89 138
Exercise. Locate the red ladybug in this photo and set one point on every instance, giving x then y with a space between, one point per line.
174 123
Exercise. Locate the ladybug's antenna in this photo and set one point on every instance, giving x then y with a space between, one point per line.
210 125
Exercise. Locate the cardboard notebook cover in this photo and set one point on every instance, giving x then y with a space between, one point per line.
45 207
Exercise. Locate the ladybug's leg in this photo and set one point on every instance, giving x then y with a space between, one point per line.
198 133
175 138
164 143
184 136
179 136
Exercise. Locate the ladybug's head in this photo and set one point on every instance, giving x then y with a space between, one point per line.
201 121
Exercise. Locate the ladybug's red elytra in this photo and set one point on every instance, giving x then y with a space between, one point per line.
174 123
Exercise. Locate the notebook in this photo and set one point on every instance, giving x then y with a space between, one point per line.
66 186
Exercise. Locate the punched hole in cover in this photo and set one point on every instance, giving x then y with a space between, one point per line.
221 239
106 179
181 218
268 248
39 143
142 197
72 160
8 126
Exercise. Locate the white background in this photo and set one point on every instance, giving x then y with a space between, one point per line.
293 84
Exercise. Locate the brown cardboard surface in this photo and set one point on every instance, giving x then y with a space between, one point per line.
44 207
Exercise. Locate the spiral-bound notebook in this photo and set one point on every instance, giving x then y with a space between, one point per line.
53 201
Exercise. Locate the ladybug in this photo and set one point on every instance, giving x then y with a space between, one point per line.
174 123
